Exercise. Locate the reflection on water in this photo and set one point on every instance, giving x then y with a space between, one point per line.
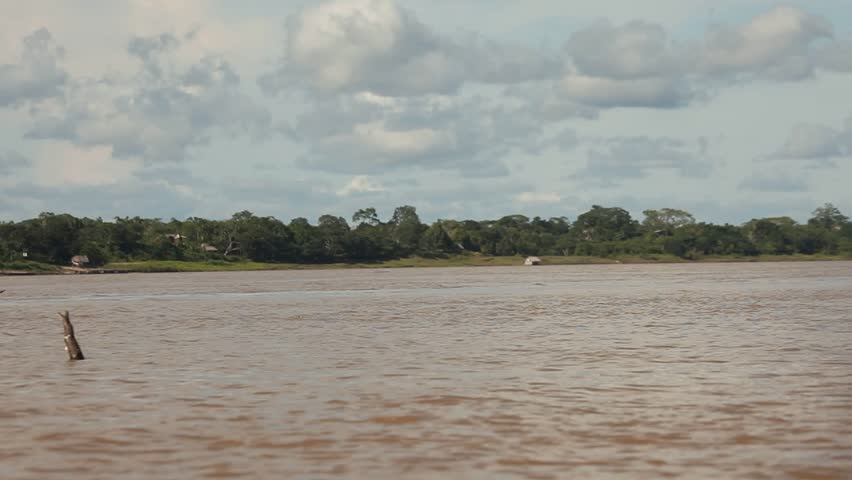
696 371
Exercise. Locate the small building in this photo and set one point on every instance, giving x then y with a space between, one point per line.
532 261
79 260
209 248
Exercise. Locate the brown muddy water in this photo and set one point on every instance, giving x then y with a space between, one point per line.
626 371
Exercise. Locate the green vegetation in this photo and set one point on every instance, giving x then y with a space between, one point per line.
460 260
249 242
185 266
25 266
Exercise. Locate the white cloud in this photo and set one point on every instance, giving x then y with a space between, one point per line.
373 145
652 92
377 138
819 143
812 141
360 184
637 49
836 56
336 42
157 114
774 182
37 76
636 65
377 46
60 164
538 197
564 140
371 98
371 134
12 161
776 44
631 65
131 198
636 157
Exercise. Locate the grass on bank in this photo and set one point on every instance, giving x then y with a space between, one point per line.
26 266
412 262
470 260
451 261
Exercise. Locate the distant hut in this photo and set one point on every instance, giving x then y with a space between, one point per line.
79 260
532 261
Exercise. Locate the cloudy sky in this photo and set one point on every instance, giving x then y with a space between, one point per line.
731 109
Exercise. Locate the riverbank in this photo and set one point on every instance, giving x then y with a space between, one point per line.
26 267
455 261
157 266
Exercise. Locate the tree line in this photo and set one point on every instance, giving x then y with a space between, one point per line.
601 231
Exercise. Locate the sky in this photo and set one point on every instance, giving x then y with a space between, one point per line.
474 109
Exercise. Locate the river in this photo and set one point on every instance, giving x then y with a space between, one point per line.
699 371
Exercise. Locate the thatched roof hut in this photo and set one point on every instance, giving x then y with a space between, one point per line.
532 261
79 260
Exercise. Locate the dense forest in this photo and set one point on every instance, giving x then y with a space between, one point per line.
601 231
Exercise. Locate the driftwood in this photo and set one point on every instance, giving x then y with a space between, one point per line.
71 345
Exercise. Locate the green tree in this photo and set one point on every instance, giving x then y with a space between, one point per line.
771 235
406 229
308 241
514 221
436 242
828 217
334 232
811 239
262 239
366 216
605 224
666 220
601 231
98 255
127 237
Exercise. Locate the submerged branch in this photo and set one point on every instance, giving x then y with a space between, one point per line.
71 345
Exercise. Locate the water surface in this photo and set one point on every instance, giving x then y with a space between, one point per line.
622 371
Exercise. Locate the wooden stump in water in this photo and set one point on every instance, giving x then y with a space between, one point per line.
71 345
